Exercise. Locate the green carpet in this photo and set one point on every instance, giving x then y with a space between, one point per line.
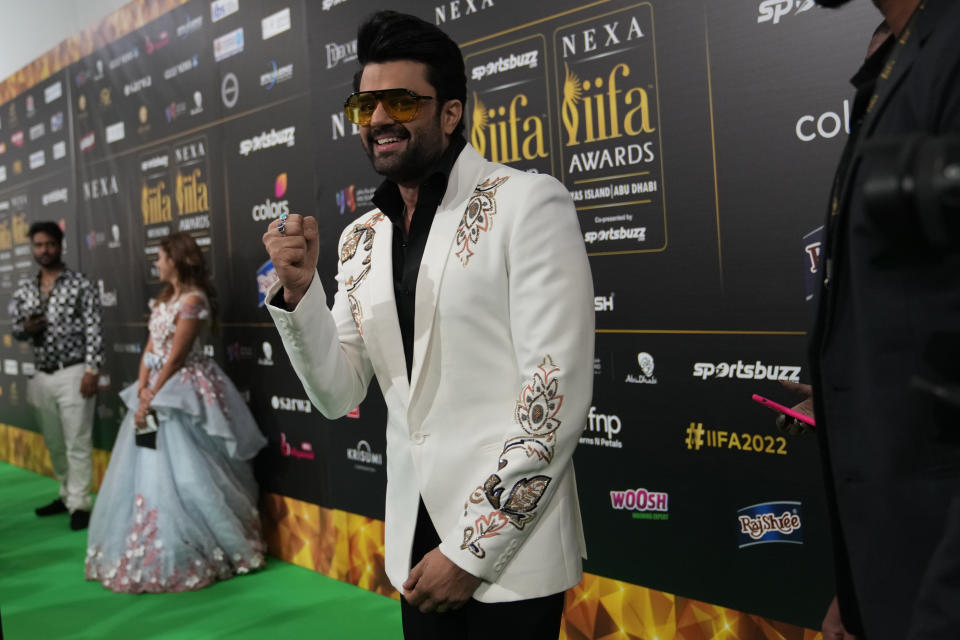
43 594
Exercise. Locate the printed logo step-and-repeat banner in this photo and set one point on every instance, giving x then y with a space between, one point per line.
697 140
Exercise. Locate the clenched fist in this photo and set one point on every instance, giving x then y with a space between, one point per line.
294 254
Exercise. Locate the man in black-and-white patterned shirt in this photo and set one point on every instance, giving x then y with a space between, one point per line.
59 312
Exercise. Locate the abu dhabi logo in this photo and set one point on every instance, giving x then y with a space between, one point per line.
774 10
267 359
108 297
646 364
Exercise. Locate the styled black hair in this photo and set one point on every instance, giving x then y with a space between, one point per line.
387 36
52 229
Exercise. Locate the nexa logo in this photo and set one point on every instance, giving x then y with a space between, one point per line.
773 10
270 210
338 126
100 187
456 9
190 151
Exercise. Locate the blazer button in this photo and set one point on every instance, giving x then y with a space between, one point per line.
418 437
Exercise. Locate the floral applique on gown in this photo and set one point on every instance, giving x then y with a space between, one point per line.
183 515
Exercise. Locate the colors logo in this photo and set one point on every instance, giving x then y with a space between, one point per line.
271 210
770 522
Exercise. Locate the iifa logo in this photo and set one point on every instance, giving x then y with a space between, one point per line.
770 522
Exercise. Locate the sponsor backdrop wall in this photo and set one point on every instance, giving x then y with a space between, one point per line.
697 139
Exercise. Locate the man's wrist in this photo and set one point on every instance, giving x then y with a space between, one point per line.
292 298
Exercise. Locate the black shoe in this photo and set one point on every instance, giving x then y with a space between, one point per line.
52 509
79 519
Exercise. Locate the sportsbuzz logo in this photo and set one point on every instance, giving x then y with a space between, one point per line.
755 371
773 11
272 209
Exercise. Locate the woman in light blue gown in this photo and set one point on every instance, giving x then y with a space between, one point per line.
182 515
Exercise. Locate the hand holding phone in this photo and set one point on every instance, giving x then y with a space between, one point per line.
775 406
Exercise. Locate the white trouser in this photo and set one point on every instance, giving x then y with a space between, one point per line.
66 421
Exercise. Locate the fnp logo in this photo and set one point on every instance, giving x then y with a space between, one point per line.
770 522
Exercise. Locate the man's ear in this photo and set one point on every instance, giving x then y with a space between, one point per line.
450 115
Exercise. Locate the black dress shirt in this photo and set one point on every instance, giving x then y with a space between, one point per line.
408 247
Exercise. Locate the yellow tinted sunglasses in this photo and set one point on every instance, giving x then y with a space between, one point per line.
402 105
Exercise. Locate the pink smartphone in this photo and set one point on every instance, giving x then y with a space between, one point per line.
770 404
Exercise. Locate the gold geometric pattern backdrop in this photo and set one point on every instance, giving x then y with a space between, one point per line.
349 548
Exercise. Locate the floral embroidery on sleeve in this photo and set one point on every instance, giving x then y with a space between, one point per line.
536 413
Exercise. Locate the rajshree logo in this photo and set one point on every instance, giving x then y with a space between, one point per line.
500 130
770 522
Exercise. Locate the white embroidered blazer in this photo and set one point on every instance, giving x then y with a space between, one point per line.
501 382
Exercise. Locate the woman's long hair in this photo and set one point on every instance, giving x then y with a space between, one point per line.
191 268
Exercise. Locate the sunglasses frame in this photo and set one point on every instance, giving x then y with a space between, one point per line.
379 97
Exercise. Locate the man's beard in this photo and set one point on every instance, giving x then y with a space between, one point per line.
410 166
48 260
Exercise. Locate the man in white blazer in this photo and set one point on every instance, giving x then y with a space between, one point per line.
468 293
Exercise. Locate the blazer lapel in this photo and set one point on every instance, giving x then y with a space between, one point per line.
381 333
464 177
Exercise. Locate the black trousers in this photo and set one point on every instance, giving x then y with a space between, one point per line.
534 619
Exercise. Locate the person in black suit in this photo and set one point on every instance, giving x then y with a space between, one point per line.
886 345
